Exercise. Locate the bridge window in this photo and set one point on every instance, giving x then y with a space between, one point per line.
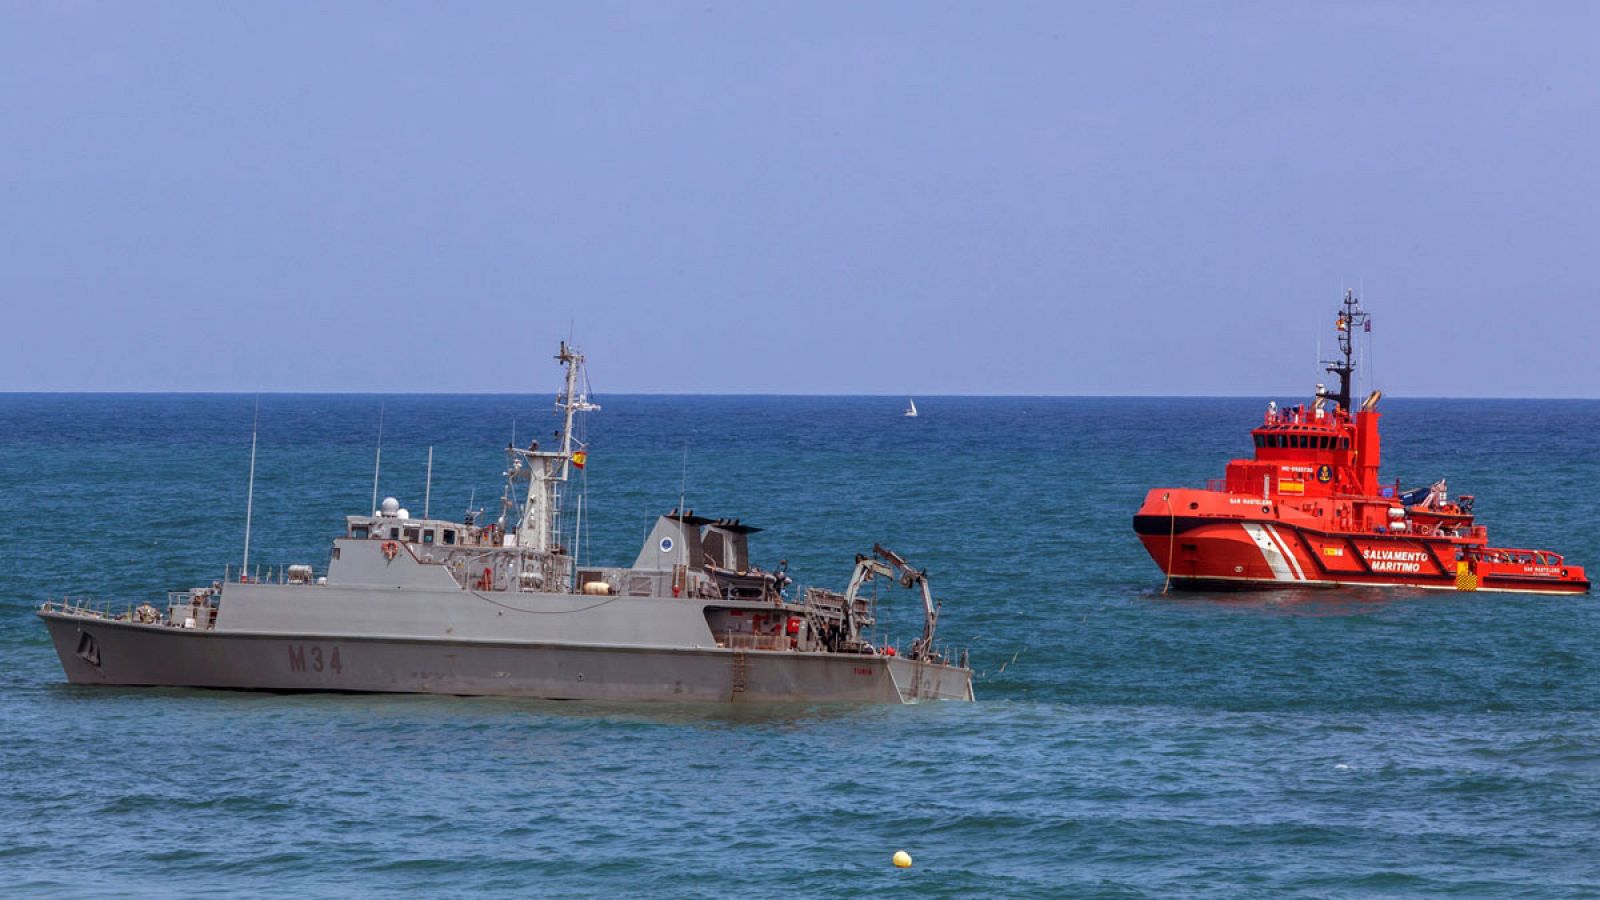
358 531
449 536
427 536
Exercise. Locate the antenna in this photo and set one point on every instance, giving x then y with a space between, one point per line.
1351 317
250 492
577 534
427 490
683 481
377 465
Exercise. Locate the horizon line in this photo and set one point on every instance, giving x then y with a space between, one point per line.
752 394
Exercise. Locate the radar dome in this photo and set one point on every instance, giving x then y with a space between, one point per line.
390 506
403 514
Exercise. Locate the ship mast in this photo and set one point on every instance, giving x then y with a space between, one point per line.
538 526
1350 318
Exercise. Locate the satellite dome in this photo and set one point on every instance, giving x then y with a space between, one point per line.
390 506
404 514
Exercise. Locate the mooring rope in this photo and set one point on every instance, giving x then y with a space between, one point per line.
1172 540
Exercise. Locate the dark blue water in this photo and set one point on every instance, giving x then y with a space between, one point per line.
1337 743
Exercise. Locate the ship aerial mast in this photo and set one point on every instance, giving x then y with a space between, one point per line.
1350 318
538 523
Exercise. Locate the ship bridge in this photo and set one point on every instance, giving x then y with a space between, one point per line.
1310 451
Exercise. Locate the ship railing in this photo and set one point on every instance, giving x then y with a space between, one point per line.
80 607
939 655
737 640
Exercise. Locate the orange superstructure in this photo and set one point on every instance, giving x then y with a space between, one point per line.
1309 509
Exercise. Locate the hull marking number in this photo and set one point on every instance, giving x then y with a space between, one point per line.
315 658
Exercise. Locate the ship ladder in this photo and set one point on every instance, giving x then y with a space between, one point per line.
741 670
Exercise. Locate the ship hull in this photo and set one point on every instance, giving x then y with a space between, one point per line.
95 651
1238 553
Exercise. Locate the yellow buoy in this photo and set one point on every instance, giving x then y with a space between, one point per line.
902 859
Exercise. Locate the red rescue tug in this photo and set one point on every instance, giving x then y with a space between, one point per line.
1308 510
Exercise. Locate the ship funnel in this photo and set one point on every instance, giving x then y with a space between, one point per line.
1371 403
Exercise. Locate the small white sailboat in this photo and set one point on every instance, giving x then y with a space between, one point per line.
911 408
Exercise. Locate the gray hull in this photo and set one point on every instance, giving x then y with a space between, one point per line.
105 652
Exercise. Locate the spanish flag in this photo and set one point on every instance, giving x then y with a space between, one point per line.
579 458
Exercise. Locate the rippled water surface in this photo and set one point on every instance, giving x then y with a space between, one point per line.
1125 743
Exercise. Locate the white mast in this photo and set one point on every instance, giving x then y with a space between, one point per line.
250 492
377 464
427 489
546 471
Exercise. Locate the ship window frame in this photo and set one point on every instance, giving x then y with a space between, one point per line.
394 534
448 535
427 536
360 532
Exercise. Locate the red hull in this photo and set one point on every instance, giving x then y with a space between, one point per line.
1218 551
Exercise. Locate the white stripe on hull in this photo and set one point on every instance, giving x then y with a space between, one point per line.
1269 552
1288 552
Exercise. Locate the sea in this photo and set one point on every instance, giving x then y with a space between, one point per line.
1124 742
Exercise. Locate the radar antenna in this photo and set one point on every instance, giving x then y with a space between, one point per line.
1351 317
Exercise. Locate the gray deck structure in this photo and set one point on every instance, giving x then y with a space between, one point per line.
501 608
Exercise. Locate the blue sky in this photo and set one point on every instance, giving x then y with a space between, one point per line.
928 198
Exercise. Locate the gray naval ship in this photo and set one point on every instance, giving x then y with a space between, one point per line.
502 608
